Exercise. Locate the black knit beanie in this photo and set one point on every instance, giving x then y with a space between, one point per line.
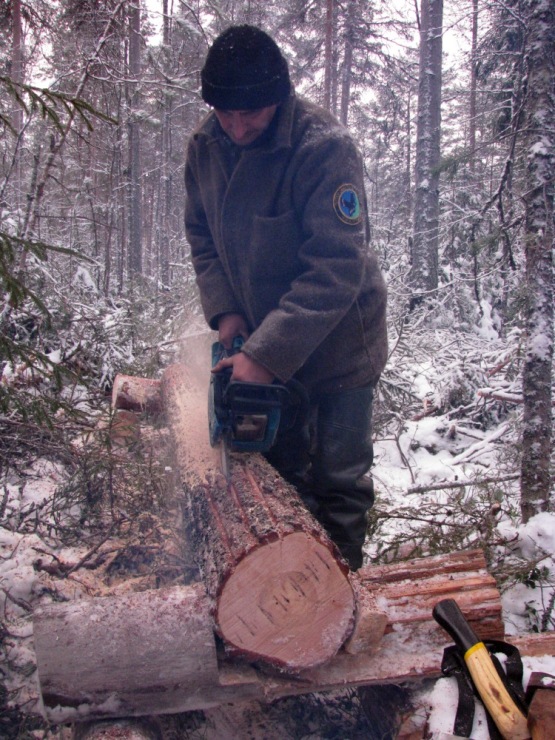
244 70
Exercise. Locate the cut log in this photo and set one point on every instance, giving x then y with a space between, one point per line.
281 591
370 621
136 654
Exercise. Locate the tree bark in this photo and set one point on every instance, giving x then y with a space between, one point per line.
346 72
282 593
135 254
166 193
473 90
328 55
18 76
424 267
128 655
539 145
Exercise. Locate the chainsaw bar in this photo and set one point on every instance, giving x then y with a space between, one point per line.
225 464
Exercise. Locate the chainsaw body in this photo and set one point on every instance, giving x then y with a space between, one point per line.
244 416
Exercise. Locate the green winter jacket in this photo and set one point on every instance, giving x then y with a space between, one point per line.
282 239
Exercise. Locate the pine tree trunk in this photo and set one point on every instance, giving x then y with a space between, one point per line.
328 64
424 268
540 157
135 255
17 76
346 73
166 194
473 80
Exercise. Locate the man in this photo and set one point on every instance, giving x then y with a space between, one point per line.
276 221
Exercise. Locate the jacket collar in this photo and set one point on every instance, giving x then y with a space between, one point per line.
281 138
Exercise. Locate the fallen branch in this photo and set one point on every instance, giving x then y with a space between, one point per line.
499 395
428 411
462 484
500 365
480 447
502 396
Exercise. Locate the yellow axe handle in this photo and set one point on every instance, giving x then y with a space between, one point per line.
510 721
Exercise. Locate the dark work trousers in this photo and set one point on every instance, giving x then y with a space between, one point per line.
327 456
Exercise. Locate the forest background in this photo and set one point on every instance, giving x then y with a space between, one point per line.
97 101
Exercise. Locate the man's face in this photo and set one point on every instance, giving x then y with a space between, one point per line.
245 126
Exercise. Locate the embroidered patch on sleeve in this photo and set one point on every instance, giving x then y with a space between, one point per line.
346 204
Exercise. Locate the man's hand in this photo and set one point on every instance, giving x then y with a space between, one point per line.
244 369
232 325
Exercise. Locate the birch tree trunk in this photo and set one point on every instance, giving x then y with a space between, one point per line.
540 157
424 267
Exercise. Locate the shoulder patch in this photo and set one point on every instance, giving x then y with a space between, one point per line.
346 204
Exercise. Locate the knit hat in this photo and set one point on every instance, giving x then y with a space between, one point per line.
244 70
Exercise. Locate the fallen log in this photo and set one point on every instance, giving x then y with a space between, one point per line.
154 652
135 654
407 592
281 592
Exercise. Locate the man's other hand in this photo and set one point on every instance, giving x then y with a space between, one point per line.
232 325
244 369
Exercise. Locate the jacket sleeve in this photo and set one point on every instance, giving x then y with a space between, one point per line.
216 294
331 253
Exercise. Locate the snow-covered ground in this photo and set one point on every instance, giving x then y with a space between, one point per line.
426 449
434 450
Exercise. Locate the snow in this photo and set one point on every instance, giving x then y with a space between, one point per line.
442 701
83 276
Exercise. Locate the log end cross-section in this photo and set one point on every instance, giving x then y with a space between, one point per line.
288 603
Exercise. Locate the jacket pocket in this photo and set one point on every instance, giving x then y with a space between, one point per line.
274 248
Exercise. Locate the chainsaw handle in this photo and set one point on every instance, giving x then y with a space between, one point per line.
219 352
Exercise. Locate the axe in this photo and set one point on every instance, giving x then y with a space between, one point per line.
508 717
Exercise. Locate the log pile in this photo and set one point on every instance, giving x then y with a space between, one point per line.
290 616
154 652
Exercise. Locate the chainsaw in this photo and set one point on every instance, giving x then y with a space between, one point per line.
246 417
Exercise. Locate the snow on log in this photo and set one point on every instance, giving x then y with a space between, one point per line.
282 593
134 654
